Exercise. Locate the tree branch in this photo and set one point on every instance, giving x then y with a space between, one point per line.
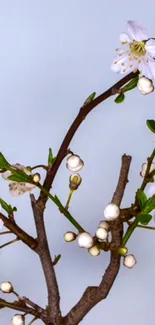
94 295
18 306
84 111
20 233
47 264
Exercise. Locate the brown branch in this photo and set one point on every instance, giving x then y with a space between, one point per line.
47 264
84 111
18 306
20 233
94 295
29 302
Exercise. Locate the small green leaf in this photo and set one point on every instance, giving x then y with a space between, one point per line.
54 159
3 162
131 85
149 205
7 207
120 98
19 176
151 125
141 197
144 219
89 99
50 157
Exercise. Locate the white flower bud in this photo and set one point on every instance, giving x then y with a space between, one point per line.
74 181
111 212
69 236
145 85
85 240
18 320
1 222
74 163
101 233
94 251
129 261
144 167
36 178
6 287
103 224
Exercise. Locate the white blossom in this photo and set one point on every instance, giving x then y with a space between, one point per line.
94 250
145 85
129 261
74 163
111 212
144 167
103 224
101 233
85 240
18 320
6 287
138 52
18 188
1 223
74 181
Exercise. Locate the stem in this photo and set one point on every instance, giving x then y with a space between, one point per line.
61 208
33 320
150 159
5 232
69 199
130 231
146 227
10 242
39 166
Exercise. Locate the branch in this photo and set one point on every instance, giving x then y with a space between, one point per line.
20 233
47 264
84 111
18 306
94 295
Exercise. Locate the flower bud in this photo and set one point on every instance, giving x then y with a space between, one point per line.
74 163
36 178
129 261
18 320
6 287
85 240
1 221
145 85
101 233
144 167
74 181
94 251
122 251
103 224
69 236
111 212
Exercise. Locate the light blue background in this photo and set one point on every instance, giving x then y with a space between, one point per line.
53 54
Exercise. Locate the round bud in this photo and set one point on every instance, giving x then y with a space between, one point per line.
144 167
122 251
36 178
85 240
145 85
74 163
101 233
103 224
18 320
94 251
6 287
111 212
129 261
74 181
69 236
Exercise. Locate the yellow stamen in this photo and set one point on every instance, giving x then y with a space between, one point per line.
131 65
115 62
135 70
124 70
120 54
122 64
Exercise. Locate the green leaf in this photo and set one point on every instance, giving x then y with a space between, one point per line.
3 162
144 219
120 98
149 205
90 99
141 197
50 157
151 125
7 207
54 159
131 85
19 176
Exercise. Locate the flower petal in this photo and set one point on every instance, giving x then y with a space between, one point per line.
150 47
144 68
124 38
1 224
136 31
151 65
17 189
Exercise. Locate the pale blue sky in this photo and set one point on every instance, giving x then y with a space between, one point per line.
53 54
